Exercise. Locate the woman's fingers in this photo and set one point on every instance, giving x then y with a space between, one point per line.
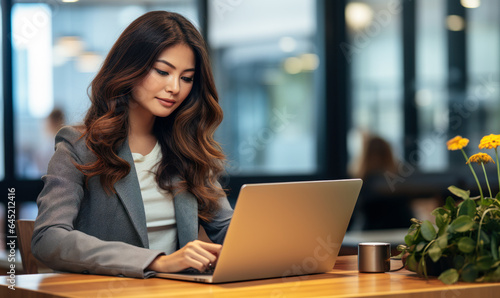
196 254
203 253
212 247
215 250
195 263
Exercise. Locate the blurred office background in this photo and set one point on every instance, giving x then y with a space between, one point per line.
303 84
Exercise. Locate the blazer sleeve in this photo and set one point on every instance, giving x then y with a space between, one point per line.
55 240
216 229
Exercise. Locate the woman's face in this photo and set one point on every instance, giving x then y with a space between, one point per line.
168 83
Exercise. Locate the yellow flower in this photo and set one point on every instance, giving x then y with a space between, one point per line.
489 142
480 158
457 143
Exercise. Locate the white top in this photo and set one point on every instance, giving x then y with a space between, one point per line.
158 203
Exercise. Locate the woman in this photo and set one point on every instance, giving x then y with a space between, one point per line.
379 205
125 193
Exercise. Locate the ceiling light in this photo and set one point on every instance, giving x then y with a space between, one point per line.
88 62
358 15
309 61
287 44
455 23
293 65
470 3
69 46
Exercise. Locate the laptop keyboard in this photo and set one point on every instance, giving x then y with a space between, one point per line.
209 271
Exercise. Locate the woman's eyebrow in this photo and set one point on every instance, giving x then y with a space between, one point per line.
171 65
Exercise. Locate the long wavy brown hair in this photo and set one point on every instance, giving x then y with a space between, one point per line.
189 150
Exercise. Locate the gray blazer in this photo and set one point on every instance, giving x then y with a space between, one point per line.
85 230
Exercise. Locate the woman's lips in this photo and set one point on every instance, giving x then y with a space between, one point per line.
166 102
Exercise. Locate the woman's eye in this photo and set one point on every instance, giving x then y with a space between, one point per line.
187 79
161 72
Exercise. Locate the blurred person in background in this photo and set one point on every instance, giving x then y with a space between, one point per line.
34 156
53 123
379 206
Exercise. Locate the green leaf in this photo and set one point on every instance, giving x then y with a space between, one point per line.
493 247
464 194
402 247
413 227
435 252
442 230
486 202
413 232
409 238
421 267
449 276
469 273
415 222
428 230
420 246
484 263
463 223
467 207
484 238
493 276
496 275
442 241
466 245
442 221
496 203
439 210
411 263
458 261
450 204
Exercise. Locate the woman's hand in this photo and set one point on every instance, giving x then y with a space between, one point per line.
196 254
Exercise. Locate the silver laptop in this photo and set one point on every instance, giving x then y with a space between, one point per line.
283 229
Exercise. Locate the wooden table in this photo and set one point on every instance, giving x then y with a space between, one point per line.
343 281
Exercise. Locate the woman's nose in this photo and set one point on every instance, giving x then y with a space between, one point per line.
172 85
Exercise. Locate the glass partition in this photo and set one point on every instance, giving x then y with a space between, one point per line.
374 55
2 144
482 104
58 48
431 97
265 61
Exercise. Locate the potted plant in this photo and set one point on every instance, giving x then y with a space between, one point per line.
464 242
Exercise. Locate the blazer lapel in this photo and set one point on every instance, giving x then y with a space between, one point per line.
129 192
186 215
